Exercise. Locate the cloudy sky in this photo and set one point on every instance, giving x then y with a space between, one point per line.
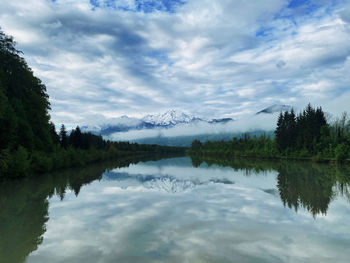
227 58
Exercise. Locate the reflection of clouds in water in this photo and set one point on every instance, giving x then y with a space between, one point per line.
215 222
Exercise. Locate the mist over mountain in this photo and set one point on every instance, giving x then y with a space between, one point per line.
176 128
166 120
186 141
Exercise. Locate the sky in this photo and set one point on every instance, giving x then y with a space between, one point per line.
228 58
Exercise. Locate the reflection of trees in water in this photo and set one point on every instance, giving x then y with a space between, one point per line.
312 186
250 166
309 186
196 161
343 181
23 214
24 205
300 184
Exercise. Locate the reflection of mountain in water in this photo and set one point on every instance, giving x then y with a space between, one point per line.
163 183
169 185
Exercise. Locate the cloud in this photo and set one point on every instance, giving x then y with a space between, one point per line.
259 122
210 58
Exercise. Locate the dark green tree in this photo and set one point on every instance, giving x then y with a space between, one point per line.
196 145
55 137
63 137
75 138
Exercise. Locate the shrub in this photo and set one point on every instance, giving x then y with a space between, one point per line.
19 163
41 162
341 152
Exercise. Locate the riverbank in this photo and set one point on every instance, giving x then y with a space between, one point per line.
24 164
219 155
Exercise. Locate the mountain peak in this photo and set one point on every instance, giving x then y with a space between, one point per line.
275 108
170 117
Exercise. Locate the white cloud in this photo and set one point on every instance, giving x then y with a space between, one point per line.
259 122
211 58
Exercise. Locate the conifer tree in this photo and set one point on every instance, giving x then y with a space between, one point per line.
63 137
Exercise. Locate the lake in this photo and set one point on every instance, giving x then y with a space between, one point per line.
179 210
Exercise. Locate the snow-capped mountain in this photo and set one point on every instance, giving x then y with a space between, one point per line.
176 128
275 108
123 123
170 118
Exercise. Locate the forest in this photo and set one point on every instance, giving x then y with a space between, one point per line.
29 142
307 135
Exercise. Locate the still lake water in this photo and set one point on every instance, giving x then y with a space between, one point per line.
179 210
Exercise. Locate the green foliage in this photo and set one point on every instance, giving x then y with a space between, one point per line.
24 119
4 162
196 145
318 158
305 131
19 163
41 162
24 107
341 152
245 146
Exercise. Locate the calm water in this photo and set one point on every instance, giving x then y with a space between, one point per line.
179 210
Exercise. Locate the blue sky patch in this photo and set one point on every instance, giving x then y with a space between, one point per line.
146 6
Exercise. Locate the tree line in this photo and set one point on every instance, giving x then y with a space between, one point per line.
28 139
307 135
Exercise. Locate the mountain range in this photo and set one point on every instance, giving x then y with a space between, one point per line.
168 119
176 128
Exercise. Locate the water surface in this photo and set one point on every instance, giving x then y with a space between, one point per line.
179 210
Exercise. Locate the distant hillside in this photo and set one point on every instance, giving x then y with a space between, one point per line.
186 141
275 108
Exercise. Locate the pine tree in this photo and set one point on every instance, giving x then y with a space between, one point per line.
54 135
280 132
76 138
63 137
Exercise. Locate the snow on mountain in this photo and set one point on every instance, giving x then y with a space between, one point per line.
169 185
160 183
123 123
169 118
275 108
